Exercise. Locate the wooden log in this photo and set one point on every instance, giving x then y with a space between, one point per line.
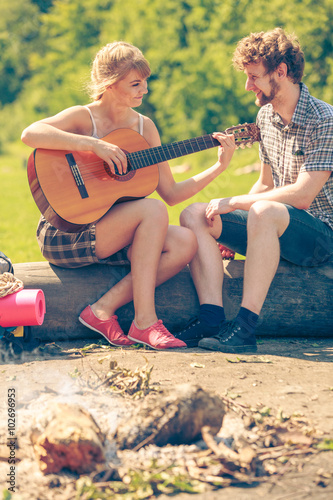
299 302
173 417
68 291
71 440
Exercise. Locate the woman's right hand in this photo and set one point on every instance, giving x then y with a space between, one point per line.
112 155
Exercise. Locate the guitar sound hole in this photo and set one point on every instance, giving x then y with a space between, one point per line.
120 178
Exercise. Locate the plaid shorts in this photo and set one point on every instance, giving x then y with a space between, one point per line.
73 249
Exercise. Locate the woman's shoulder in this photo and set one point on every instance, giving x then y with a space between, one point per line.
77 110
150 132
75 118
72 114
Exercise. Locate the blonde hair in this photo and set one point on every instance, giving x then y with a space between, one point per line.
112 63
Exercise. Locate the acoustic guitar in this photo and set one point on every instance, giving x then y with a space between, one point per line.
74 189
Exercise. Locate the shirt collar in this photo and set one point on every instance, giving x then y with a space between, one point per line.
299 115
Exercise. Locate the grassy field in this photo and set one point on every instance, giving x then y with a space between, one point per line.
19 214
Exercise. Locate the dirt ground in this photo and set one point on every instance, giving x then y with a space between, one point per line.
292 375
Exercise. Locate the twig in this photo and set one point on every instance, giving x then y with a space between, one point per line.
219 449
287 454
145 441
107 380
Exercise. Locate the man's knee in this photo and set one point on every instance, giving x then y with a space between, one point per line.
271 213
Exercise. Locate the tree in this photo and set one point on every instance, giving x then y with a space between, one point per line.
189 43
19 28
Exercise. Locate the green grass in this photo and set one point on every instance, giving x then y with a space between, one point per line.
19 214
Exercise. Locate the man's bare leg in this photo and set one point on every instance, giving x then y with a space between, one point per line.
207 274
267 221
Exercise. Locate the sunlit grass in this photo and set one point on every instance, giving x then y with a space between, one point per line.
19 214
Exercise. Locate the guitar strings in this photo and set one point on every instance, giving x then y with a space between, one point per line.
152 156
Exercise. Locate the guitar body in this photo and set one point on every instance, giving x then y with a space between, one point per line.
72 208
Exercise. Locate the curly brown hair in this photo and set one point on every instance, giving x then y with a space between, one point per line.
271 48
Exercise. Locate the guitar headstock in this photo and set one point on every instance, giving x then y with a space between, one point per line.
245 134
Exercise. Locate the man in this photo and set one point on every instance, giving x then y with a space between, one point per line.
288 213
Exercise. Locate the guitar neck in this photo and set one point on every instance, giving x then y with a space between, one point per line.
158 154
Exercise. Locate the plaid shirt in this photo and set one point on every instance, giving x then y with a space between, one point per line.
305 144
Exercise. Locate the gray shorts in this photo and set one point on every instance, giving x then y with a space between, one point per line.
73 249
307 241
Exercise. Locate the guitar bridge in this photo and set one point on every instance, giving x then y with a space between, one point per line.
77 175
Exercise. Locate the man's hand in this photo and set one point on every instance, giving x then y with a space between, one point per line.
216 207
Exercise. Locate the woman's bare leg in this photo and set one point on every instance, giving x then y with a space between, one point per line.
157 253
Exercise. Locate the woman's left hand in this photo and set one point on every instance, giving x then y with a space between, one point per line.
227 148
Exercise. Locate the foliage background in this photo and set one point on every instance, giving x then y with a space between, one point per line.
47 47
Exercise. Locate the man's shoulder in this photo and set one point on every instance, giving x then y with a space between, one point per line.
314 108
321 109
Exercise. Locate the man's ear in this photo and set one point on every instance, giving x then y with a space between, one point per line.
282 71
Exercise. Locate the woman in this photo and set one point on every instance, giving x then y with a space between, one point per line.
136 230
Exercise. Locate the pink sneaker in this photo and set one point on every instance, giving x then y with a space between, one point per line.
109 328
156 336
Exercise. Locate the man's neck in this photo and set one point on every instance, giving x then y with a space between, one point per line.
285 104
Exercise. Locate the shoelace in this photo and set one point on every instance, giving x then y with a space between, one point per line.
192 322
162 329
222 335
225 335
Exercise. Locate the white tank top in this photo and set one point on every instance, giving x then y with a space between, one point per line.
94 130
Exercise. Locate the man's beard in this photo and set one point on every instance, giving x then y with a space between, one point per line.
265 99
